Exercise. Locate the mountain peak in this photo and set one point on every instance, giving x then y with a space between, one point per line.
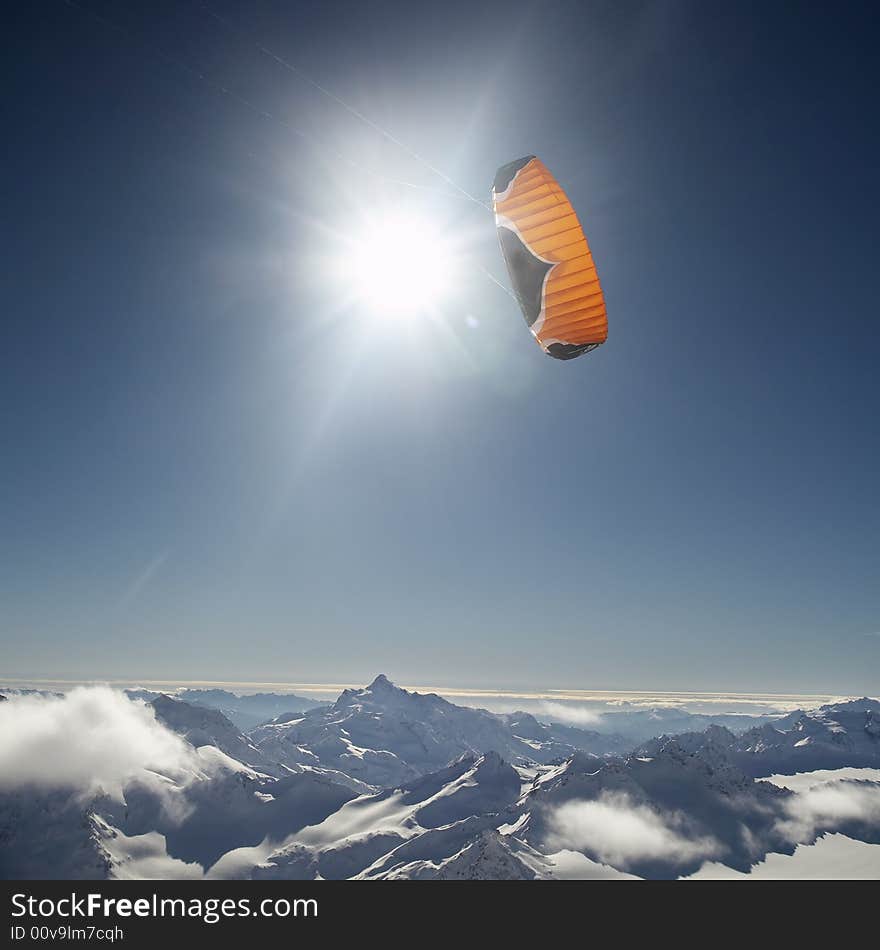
489 857
381 682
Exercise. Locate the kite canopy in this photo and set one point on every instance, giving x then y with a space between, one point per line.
549 260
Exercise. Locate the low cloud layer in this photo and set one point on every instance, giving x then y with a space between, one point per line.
571 715
620 832
91 739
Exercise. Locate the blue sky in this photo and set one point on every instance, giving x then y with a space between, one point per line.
218 466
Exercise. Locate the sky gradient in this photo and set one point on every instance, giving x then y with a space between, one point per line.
216 466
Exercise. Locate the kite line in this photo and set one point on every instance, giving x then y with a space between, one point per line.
231 94
285 64
218 87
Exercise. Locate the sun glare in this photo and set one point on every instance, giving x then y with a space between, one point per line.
399 266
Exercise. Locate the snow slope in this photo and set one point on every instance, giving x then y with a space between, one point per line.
833 857
431 817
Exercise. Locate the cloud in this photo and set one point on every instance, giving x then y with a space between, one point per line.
619 832
575 715
91 739
828 806
145 856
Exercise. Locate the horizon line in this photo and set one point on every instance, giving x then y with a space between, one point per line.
558 694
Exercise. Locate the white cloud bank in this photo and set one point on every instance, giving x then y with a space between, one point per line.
581 716
91 739
144 857
827 806
620 832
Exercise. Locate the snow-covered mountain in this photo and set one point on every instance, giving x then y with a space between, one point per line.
202 726
661 816
391 784
491 856
190 820
556 740
499 856
636 725
49 835
834 736
231 809
384 735
656 816
429 818
250 710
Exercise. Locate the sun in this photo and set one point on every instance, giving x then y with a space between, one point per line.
399 265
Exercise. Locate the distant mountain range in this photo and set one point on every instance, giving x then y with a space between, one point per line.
833 736
246 711
388 783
